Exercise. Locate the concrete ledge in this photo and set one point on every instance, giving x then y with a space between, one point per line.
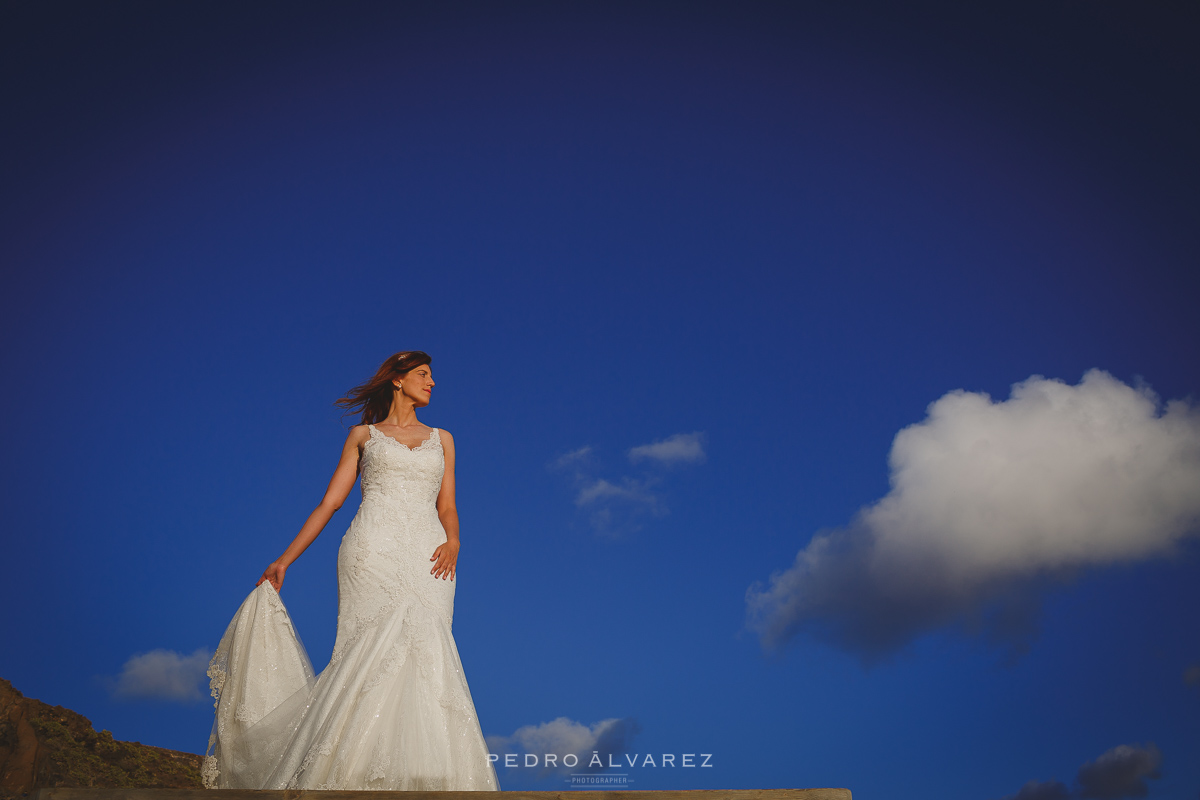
246 794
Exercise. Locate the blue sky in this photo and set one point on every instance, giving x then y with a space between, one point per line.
777 233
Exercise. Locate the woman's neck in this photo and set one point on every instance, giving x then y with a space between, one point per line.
402 415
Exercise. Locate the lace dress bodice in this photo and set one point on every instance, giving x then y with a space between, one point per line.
395 473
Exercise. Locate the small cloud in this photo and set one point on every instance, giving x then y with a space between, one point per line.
1121 772
1042 790
1191 675
682 448
573 458
163 675
619 508
564 735
619 505
631 490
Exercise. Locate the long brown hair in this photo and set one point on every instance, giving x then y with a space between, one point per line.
375 396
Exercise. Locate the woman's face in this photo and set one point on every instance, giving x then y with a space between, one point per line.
418 384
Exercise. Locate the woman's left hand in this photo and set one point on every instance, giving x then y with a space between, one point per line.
446 556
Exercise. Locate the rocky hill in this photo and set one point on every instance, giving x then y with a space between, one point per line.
44 746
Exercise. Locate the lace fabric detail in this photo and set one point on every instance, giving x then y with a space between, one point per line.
276 605
217 675
380 764
216 682
209 772
392 710
323 748
427 443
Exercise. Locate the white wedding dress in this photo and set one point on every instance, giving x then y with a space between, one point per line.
392 710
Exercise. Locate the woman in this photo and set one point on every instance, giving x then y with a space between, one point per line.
392 709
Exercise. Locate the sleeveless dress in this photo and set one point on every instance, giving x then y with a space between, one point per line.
392 710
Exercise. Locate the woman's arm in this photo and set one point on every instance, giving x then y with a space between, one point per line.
339 489
446 554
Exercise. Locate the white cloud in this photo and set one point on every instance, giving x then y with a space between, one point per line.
163 675
561 736
573 458
619 506
988 499
564 735
617 509
682 448
630 490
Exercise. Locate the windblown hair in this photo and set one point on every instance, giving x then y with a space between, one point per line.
375 396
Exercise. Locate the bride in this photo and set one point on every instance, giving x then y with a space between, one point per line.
392 710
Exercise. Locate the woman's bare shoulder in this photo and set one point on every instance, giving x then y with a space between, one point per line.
445 436
358 434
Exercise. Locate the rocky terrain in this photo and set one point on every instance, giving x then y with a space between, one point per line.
46 746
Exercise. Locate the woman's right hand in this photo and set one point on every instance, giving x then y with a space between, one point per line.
274 574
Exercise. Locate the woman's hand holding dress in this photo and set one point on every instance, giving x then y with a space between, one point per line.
274 574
